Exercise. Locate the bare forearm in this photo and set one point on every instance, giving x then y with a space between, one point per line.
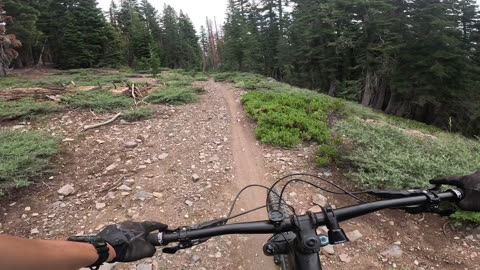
26 254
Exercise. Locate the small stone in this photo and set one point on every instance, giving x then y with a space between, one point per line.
131 213
51 216
416 262
131 144
100 141
129 182
218 255
111 167
99 227
24 216
354 236
162 156
125 193
189 203
143 195
470 237
214 159
398 243
68 140
345 258
327 174
35 214
145 267
315 209
195 177
66 190
59 204
124 188
157 195
195 258
34 231
319 200
328 250
393 252
100 205
28 208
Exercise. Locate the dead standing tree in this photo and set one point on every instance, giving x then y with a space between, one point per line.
8 43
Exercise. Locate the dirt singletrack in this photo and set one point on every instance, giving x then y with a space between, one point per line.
185 166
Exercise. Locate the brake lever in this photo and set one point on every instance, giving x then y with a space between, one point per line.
184 242
401 193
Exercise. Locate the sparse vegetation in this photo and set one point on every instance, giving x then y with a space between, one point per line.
99 101
172 95
138 114
26 108
24 155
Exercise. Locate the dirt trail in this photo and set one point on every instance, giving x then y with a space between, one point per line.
145 171
249 169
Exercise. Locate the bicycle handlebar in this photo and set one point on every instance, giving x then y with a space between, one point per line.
266 227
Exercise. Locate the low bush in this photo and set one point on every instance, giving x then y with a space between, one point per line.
198 89
172 95
287 118
99 101
24 156
138 114
26 108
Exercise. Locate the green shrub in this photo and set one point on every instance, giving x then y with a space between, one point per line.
138 114
99 101
172 95
223 77
201 77
466 217
23 156
328 153
287 118
26 108
198 89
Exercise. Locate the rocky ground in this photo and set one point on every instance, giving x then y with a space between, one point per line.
184 167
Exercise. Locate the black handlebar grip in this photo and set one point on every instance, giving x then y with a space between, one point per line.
153 239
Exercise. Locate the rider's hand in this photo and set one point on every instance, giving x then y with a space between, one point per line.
470 185
129 239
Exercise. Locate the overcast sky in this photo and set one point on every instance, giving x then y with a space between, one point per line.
198 10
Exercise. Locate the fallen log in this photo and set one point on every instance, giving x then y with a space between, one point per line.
34 92
88 127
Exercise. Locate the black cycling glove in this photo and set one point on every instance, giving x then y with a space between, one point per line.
129 239
470 184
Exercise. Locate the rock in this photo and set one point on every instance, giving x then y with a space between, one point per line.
189 203
195 258
145 267
111 167
214 159
100 141
28 208
162 156
58 204
218 255
328 250
100 205
125 193
34 231
354 236
66 190
327 174
345 258
131 213
320 200
99 227
157 195
131 144
470 237
143 195
315 209
393 252
68 140
124 188
35 214
195 177
129 182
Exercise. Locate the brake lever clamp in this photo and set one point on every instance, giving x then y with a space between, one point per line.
336 235
184 242
432 206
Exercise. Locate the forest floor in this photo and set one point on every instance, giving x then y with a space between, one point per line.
145 171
